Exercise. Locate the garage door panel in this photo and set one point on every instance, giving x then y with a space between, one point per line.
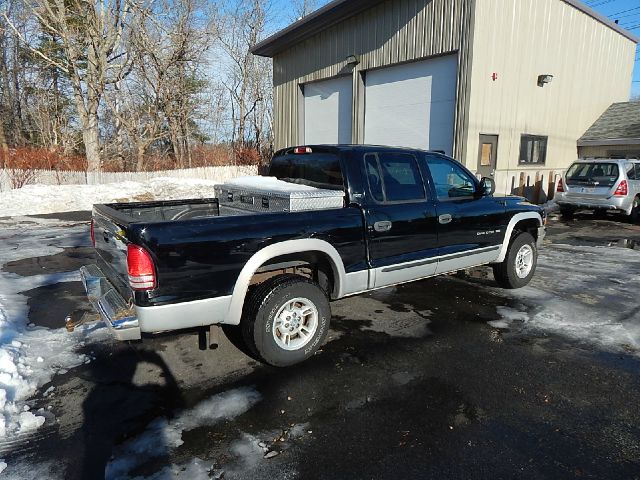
412 105
327 111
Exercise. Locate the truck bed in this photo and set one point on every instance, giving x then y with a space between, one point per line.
165 211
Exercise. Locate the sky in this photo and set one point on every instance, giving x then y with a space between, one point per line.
627 12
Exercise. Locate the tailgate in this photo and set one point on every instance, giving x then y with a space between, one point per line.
588 191
111 249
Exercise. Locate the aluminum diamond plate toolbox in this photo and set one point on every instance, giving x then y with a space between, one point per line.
267 194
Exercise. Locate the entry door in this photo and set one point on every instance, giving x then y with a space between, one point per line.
327 111
401 220
412 105
487 155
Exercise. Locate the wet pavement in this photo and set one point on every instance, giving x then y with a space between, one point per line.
412 383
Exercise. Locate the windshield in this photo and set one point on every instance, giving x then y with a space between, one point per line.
320 170
598 174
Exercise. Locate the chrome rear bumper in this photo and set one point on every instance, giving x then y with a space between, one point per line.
119 317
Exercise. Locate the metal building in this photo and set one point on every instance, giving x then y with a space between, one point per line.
505 86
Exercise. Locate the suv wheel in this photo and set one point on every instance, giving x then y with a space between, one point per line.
520 263
285 320
567 212
634 217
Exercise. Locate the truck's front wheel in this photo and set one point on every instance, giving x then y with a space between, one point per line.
285 320
520 264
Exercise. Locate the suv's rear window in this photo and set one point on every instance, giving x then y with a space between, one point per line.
320 170
601 174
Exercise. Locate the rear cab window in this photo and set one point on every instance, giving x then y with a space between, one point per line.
594 173
316 169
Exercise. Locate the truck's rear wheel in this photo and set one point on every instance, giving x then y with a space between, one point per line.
520 263
285 320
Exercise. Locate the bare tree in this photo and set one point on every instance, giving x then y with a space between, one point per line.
169 48
91 36
248 78
302 8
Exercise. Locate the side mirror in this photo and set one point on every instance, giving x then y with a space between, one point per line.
487 186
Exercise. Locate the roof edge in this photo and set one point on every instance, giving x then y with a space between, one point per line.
608 142
315 22
602 19
343 9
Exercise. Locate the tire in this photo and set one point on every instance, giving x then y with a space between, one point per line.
268 311
567 212
600 213
634 217
507 274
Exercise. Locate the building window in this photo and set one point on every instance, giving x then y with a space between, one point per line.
533 149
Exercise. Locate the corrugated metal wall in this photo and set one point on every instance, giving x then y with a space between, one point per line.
521 39
392 32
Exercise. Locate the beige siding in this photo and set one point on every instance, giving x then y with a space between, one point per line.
521 39
394 31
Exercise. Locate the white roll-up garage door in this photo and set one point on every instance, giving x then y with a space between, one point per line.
412 105
327 111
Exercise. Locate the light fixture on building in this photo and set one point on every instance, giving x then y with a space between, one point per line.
544 79
352 60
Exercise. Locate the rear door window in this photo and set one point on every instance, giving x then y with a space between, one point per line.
394 177
598 174
632 172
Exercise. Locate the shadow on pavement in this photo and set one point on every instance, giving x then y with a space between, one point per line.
114 407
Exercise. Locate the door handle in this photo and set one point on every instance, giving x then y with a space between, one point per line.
382 226
444 219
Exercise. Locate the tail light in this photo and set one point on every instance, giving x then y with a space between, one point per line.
142 272
302 150
622 190
93 234
560 188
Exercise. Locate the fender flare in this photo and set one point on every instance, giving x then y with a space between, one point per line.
518 217
241 287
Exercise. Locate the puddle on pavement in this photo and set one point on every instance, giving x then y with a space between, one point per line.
69 260
49 305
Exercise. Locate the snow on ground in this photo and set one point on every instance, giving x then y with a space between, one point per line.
31 355
195 469
573 292
164 435
40 199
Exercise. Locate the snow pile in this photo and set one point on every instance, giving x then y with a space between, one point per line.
30 356
40 199
572 293
163 435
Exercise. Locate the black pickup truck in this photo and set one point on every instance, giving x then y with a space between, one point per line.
268 278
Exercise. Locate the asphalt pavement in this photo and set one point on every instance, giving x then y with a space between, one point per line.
412 383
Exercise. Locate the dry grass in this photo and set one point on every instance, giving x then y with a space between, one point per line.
29 158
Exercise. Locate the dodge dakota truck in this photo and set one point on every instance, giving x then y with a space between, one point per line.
269 277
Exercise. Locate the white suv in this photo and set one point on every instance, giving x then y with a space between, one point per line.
601 185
